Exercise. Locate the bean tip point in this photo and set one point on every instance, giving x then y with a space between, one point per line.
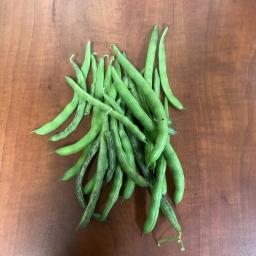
31 132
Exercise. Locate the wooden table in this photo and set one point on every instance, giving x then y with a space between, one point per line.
212 65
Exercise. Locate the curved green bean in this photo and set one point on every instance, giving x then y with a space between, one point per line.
114 193
87 58
150 59
89 151
107 81
129 185
176 171
98 92
79 73
73 125
94 76
89 185
118 68
88 138
156 196
170 214
99 176
163 74
111 155
156 84
60 118
81 106
154 104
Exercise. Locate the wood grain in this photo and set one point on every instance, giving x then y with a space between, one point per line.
212 64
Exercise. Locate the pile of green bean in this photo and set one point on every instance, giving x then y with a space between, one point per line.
130 130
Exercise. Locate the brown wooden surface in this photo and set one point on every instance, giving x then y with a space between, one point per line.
212 62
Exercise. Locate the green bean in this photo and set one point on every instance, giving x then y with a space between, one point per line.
60 118
164 185
163 74
114 193
149 66
156 196
73 125
125 73
111 155
132 103
147 149
89 185
130 172
154 104
79 73
94 76
117 68
88 138
99 176
125 81
107 81
133 90
75 169
139 156
80 109
112 91
98 93
107 109
80 177
129 185
156 84
97 118
88 107
176 171
87 58
166 107
166 208
168 211
79 180
113 103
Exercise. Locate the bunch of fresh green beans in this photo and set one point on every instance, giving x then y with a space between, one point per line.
130 130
